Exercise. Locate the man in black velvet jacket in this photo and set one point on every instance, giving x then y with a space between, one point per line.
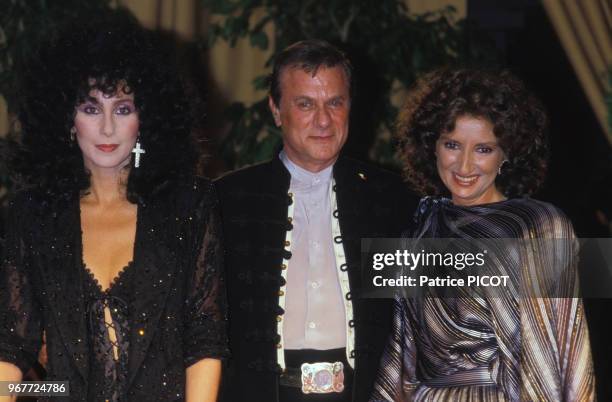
293 228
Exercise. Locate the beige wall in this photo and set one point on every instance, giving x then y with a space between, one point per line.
233 69
423 6
180 16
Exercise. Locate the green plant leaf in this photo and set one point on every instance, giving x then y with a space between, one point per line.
259 39
260 82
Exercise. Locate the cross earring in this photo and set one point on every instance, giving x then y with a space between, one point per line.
137 151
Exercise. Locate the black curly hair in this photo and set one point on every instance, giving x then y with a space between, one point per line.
111 54
440 98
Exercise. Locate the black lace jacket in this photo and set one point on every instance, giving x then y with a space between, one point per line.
176 310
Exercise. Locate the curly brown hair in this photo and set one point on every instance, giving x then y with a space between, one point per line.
440 98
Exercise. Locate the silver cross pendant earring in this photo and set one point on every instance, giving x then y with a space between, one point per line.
137 151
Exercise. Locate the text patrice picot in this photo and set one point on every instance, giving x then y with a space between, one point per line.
405 259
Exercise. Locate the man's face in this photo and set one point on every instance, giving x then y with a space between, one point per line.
313 114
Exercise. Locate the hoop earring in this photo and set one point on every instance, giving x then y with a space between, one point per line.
137 151
500 166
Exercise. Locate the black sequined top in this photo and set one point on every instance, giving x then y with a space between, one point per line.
171 306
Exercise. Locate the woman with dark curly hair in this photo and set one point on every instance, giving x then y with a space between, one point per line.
474 143
113 252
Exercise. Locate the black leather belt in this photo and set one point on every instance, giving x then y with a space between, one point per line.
291 377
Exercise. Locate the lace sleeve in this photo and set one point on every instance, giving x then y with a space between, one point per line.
205 321
20 314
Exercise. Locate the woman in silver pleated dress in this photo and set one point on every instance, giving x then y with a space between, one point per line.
474 143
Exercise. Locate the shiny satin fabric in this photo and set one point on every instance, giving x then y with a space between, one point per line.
492 348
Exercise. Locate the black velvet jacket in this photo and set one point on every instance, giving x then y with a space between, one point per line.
254 205
176 311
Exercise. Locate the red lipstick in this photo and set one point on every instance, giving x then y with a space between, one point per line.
107 147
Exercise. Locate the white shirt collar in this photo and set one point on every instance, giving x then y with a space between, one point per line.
304 176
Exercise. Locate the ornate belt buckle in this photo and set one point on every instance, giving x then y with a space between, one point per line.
322 378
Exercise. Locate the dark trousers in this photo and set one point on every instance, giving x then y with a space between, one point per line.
295 358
